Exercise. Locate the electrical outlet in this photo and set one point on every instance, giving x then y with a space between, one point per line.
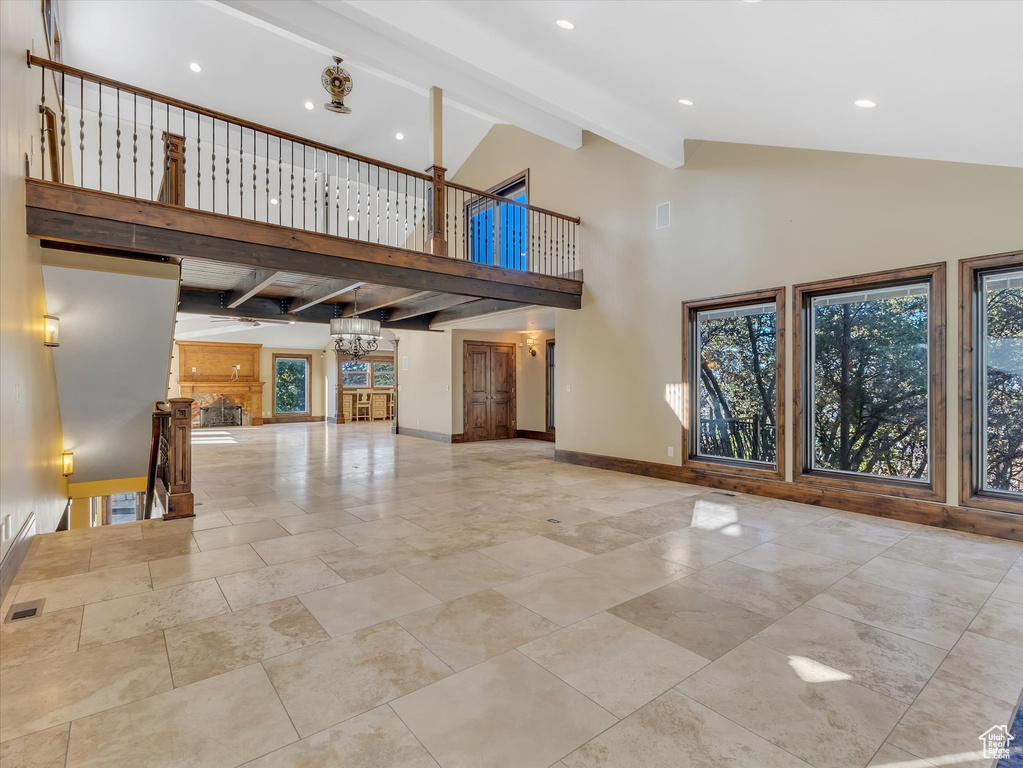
417 422
671 451
568 387
7 528
193 369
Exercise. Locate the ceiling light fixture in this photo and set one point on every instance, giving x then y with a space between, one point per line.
685 102
195 67
310 105
355 336
865 103
399 136
565 24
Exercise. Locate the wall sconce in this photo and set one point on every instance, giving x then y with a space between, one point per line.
532 349
51 331
67 460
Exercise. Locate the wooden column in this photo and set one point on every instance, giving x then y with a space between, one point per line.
172 188
396 366
437 237
180 501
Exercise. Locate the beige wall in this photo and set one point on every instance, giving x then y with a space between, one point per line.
317 384
532 377
742 218
30 438
424 397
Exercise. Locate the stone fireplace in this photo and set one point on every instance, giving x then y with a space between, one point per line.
223 380
220 413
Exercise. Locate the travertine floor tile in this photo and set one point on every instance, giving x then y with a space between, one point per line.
979 557
452 542
813 711
534 555
655 521
94 587
934 584
595 538
348 607
752 589
474 628
219 722
141 551
699 622
317 521
615 663
150 611
882 661
56 564
633 570
264 585
283 509
51 634
287 548
43 749
997 619
157 527
673 731
465 725
47 692
458 575
203 565
893 757
377 531
564 595
811 539
985 665
946 719
686 549
380 663
375 739
219 644
382 509
730 533
813 569
232 536
361 562
925 620
565 513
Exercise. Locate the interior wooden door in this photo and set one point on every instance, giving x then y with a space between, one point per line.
489 391
477 392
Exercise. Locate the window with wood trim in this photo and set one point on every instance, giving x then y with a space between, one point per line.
870 387
292 374
991 382
368 373
733 353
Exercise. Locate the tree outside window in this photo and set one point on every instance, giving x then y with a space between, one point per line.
354 374
383 374
291 385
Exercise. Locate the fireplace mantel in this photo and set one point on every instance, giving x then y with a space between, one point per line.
205 374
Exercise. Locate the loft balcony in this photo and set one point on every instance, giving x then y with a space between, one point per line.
268 224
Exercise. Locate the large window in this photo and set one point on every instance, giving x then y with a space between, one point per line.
366 374
498 232
992 382
872 385
291 385
732 356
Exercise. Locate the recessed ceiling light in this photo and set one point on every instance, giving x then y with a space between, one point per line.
273 201
865 103
399 136
195 67
310 105
565 24
685 102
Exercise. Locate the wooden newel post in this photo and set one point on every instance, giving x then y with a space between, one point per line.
438 231
180 501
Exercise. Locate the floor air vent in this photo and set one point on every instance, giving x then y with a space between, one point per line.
722 493
21 611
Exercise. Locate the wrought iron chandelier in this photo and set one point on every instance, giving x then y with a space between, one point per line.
355 336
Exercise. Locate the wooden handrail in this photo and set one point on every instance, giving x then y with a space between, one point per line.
505 200
170 460
212 113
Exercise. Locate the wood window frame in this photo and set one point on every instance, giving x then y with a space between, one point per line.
803 294
970 459
726 466
298 415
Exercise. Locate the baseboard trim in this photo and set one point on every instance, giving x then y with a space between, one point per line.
1003 525
15 554
425 434
534 434
293 419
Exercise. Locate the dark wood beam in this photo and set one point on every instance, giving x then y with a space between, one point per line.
381 299
429 305
213 303
257 280
472 309
70 214
320 292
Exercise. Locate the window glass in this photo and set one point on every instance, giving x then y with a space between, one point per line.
291 388
1001 368
355 374
383 374
870 380
734 376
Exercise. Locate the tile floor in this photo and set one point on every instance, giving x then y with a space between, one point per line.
347 597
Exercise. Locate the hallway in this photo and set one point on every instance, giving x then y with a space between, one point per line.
349 597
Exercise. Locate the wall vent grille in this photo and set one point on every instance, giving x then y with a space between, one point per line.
663 215
27 610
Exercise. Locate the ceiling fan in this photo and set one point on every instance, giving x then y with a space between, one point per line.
249 321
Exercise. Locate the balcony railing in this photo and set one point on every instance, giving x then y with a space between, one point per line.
113 137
